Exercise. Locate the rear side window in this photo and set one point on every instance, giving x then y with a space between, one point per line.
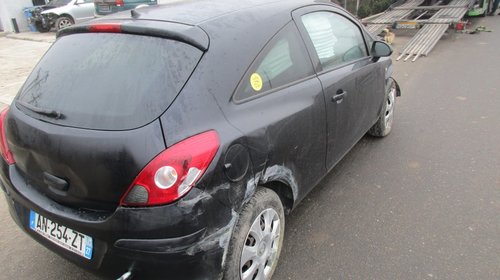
284 60
336 39
108 81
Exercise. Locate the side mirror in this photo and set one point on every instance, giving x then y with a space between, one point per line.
78 2
380 49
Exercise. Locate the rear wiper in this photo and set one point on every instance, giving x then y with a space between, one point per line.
46 112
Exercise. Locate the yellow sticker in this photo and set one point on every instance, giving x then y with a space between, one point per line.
256 81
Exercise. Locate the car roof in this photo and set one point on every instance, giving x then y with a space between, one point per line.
195 12
197 22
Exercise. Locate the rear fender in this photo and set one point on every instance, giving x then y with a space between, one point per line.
270 175
280 174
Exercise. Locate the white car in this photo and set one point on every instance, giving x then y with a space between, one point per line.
69 12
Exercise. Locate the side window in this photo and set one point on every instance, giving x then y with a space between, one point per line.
336 39
284 60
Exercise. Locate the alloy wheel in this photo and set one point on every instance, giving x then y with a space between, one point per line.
64 23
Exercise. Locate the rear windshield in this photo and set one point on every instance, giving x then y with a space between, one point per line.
107 81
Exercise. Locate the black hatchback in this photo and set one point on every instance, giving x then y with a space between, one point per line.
171 141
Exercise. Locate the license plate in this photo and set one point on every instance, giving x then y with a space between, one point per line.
104 8
407 25
63 236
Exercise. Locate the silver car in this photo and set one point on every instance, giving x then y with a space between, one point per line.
69 12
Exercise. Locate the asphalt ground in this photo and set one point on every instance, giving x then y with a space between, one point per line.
422 203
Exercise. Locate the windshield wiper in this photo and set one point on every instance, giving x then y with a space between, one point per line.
46 112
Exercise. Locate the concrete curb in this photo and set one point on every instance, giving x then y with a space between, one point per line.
28 36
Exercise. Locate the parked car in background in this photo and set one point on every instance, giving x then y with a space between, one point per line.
41 22
170 142
62 13
106 7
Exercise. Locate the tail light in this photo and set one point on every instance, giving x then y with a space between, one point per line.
106 27
119 3
172 173
4 147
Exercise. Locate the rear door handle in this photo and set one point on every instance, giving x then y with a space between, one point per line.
339 96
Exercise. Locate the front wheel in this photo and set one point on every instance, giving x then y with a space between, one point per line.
63 22
257 238
383 125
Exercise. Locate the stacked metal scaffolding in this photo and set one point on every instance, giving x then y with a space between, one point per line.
432 29
428 36
377 25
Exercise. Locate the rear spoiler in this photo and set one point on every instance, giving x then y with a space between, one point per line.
188 34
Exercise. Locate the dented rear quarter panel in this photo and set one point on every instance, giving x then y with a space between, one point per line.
285 145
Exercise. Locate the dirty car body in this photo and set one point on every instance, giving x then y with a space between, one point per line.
247 83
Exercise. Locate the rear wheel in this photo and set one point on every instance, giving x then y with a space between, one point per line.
63 22
383 125
257 238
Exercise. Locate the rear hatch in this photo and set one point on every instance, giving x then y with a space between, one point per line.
86 120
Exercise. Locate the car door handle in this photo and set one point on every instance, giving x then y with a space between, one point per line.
339 96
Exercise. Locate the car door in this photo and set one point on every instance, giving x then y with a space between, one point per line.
345 69
279 106
83 10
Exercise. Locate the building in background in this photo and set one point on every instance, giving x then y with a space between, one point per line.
10 9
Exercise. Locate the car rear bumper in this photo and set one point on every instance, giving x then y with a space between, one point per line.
164 242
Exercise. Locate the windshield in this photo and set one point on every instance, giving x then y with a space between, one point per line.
107 81
58 3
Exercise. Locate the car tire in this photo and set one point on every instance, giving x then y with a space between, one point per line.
257 238
383 125
63 22
41 28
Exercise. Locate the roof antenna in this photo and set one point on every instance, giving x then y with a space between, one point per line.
134 13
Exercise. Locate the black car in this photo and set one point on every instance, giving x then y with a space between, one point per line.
170 141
